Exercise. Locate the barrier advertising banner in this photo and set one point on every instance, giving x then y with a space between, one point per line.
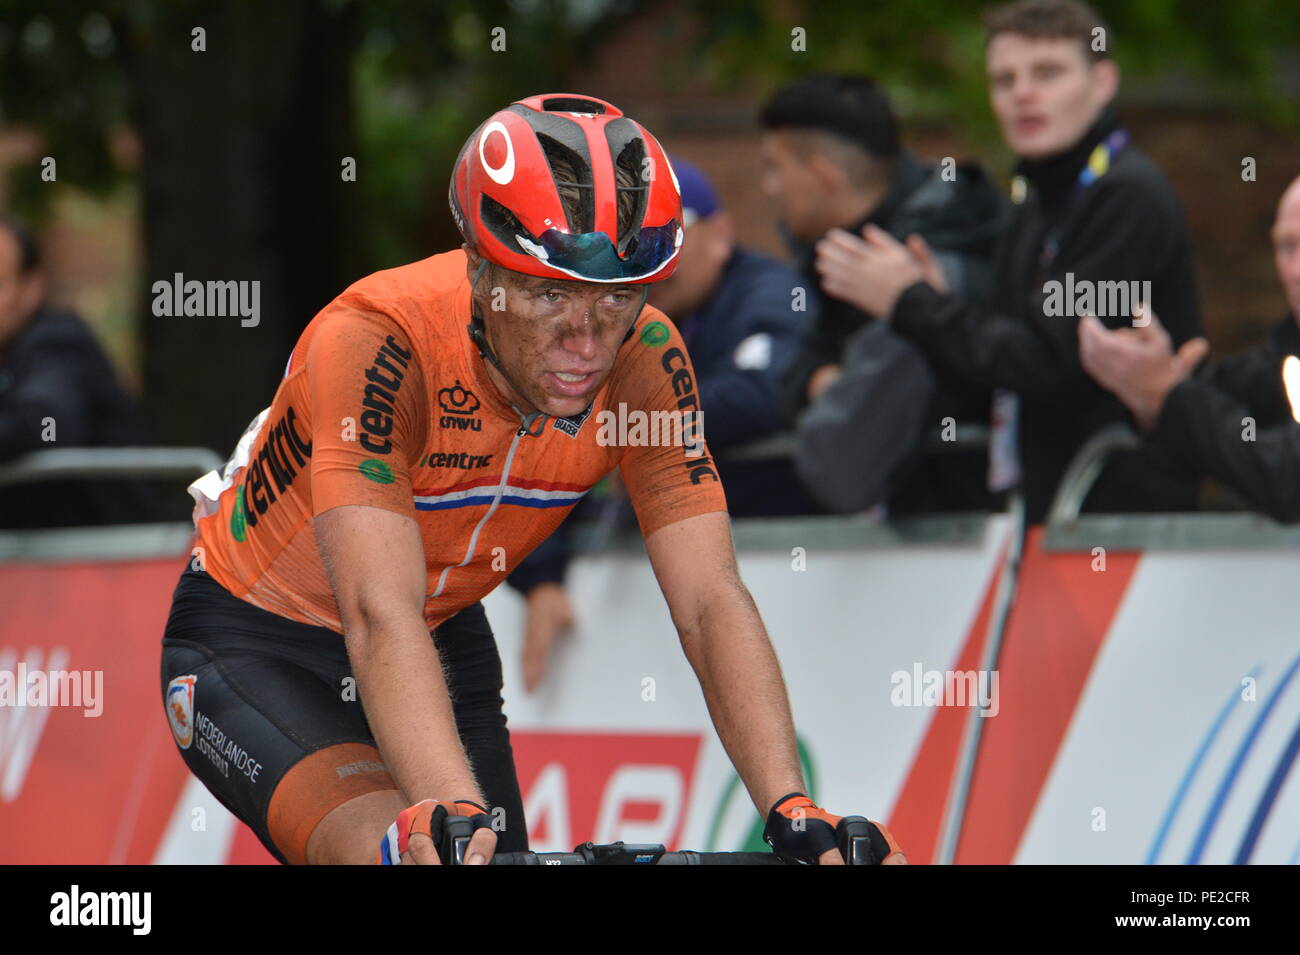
1142 711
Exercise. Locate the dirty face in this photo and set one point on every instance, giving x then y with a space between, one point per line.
556 339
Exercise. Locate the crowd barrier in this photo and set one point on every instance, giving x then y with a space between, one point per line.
1143 706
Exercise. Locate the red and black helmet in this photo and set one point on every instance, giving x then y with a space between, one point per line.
505 192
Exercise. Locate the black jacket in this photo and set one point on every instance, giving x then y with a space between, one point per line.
54 368
1202 425
960 218
1125 226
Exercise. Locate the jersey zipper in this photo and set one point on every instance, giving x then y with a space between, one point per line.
496 501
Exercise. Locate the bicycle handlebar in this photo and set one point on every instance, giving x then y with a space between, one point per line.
640 856
852 834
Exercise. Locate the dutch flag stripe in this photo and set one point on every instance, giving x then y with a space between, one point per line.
493 480
523 493
390 852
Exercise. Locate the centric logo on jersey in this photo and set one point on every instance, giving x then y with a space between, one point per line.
283 455
458 406
383 381
462 460
180 709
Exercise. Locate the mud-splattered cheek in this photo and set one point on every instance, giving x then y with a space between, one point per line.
536 343
519 344
527 350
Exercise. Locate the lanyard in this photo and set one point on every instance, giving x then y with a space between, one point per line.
1099 162
1004 440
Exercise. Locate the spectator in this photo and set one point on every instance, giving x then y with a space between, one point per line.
833 162
57 389
1097 223
737 312
734 308
1237 421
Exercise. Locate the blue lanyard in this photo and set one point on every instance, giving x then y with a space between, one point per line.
1098 164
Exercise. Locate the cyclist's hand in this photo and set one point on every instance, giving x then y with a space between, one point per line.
801 831
482 845
548 614
414 836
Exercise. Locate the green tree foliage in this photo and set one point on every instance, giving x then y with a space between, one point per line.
930 54
425 73
61 74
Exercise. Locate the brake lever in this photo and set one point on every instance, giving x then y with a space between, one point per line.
854 837
456 833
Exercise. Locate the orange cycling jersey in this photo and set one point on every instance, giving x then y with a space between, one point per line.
387 403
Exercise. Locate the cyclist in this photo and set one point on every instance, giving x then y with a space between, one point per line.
430 430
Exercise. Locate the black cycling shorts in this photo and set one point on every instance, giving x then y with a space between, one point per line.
264 712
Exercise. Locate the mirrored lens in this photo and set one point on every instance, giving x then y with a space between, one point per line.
592 255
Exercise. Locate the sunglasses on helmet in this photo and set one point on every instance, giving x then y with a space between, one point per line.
591 256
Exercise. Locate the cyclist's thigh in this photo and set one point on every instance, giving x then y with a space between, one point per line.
469 655
261 714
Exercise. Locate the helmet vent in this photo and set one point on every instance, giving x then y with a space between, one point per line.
633 191
501 222
572 104
572 176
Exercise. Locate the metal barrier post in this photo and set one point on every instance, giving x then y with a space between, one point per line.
1085 467
955 810
59 463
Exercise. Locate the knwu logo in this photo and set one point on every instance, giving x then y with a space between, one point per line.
458 406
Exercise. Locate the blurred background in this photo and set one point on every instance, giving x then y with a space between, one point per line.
226 162
138 149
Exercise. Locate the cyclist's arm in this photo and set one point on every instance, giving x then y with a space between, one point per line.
371 546
682 511
375 563
727 646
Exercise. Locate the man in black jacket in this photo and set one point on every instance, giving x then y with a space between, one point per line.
1239 419
1097 229
833 161
57 390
